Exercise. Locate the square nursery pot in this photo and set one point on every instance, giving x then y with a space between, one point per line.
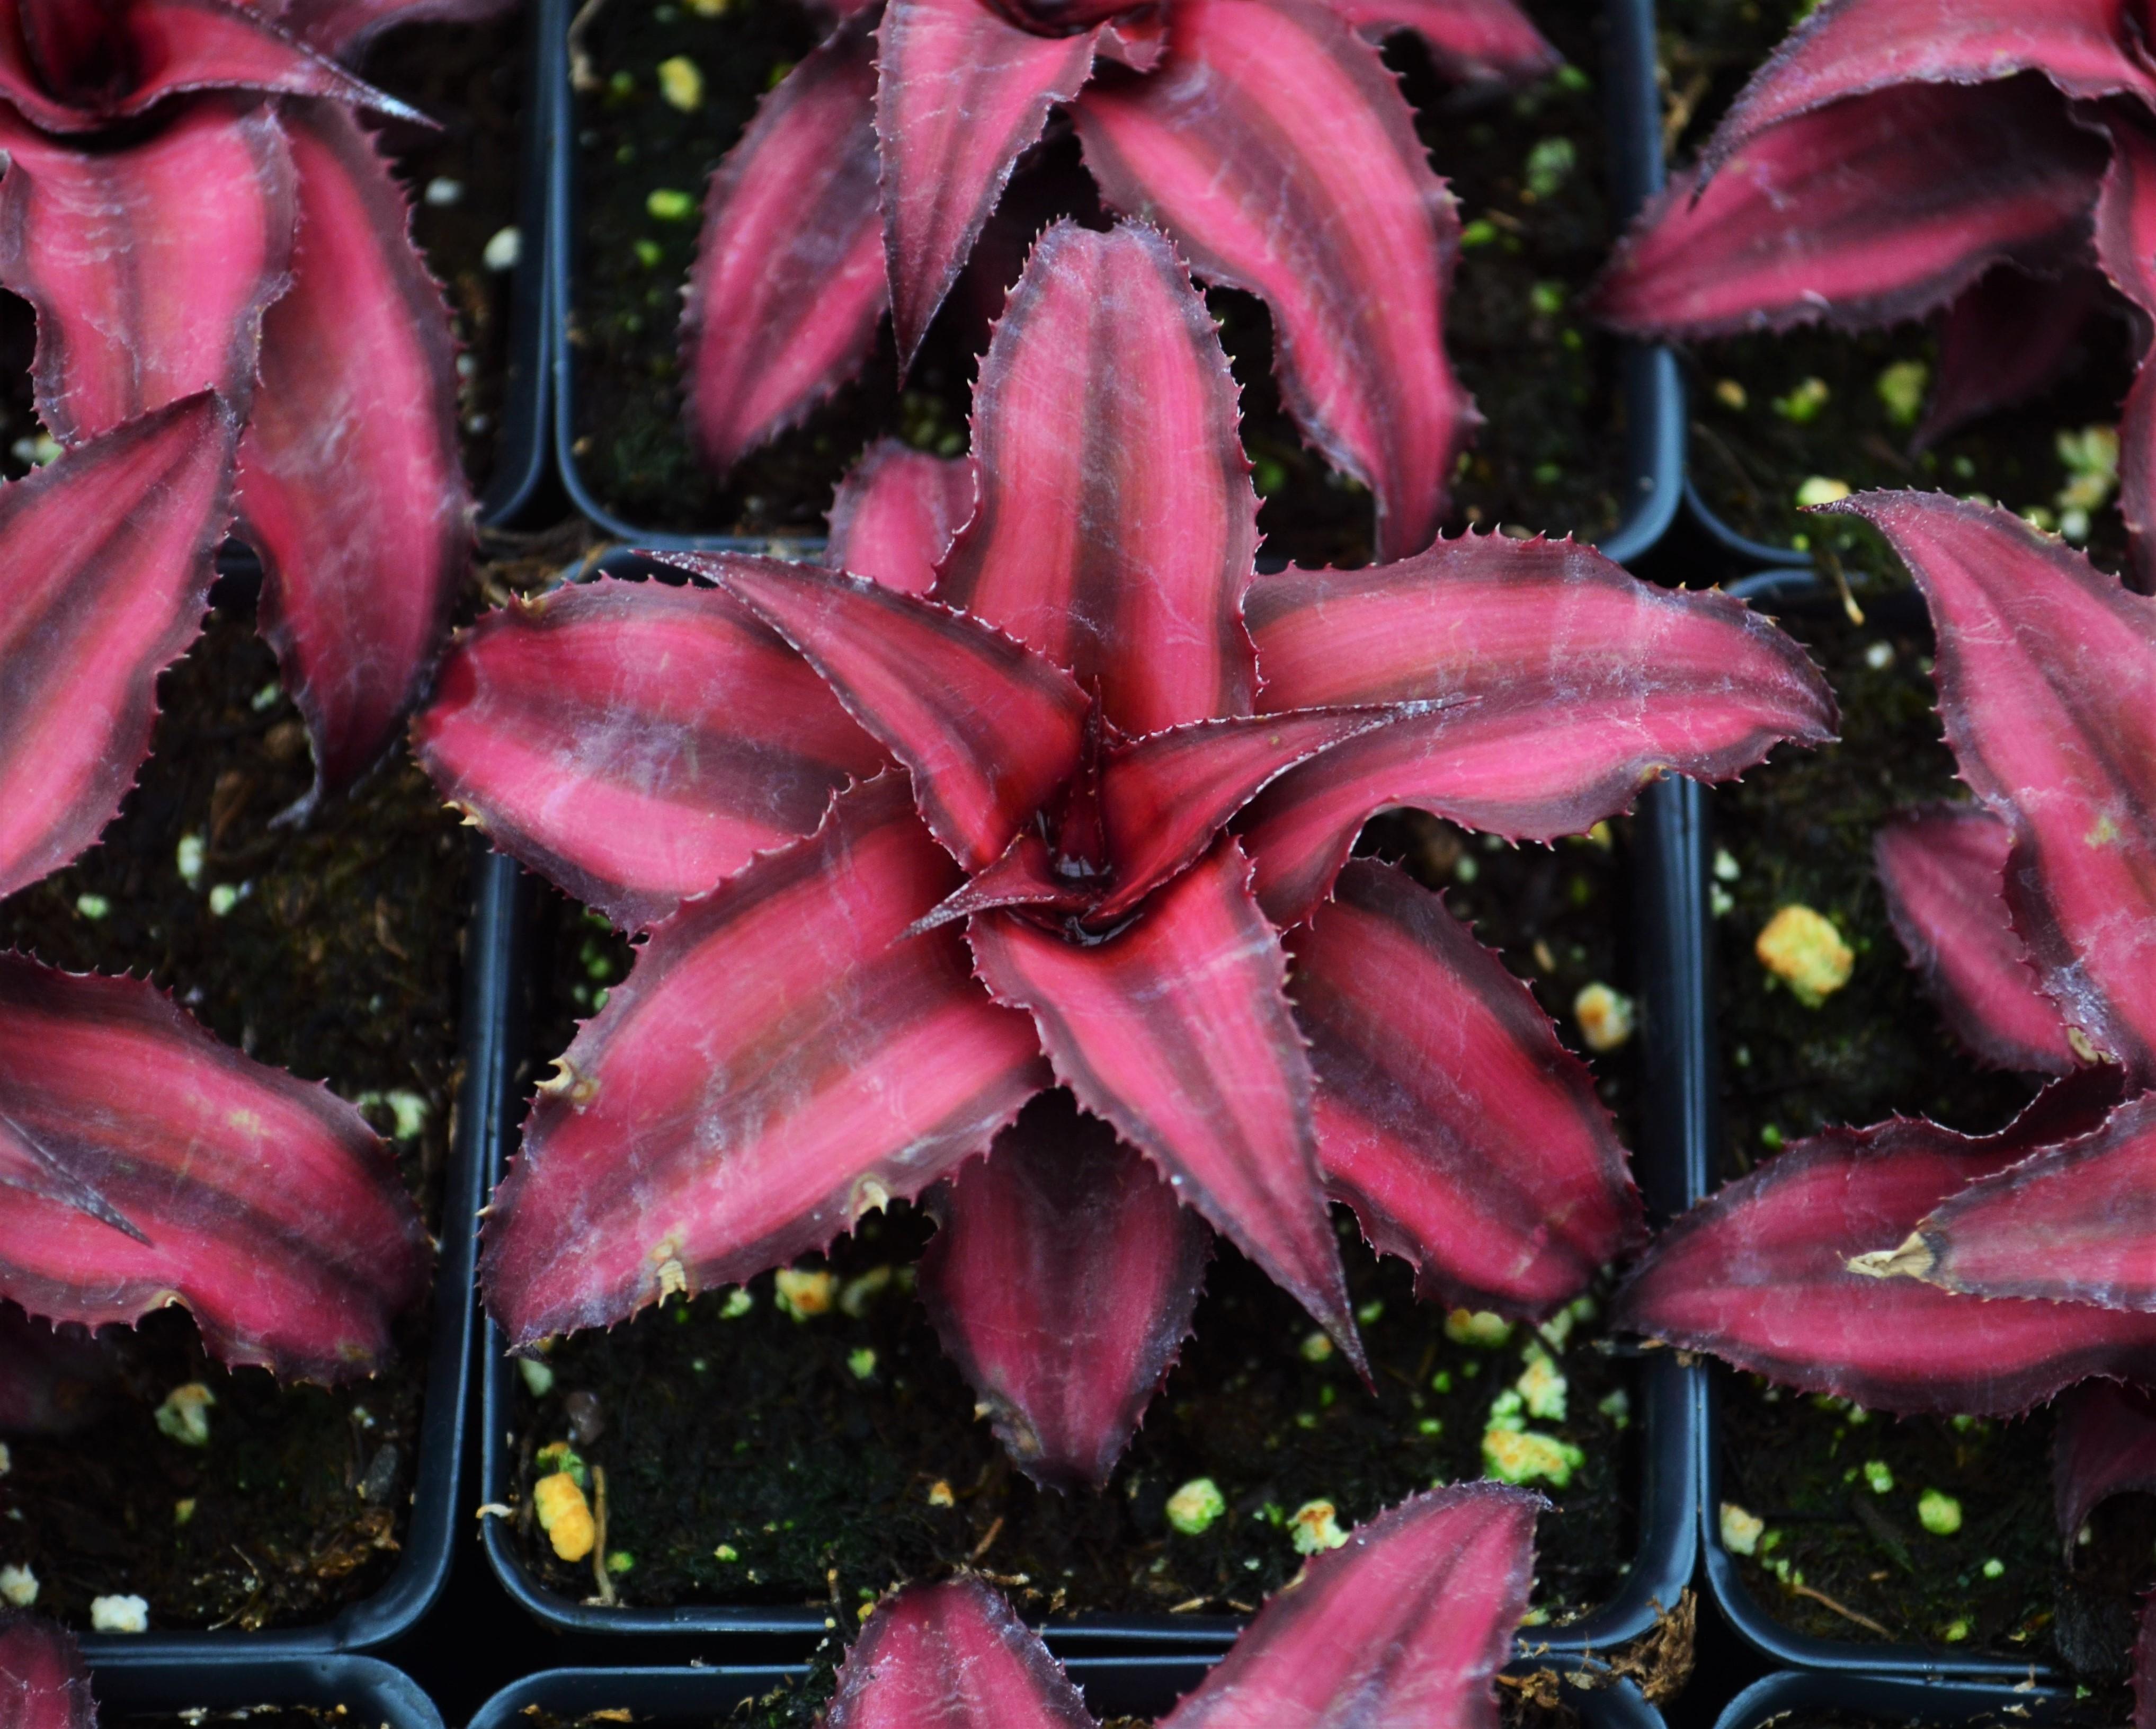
1142 1687
1805 1702
1646 486
1668 925
176 1670
363 1692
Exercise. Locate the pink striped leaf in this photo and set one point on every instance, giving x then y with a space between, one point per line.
636 743
351 486
76 65
953 1656
1405 1627
2005 339
1564 685
960 94
147 1164
1760 1275
345 30
1478 41
1468 1140
1944 874
109 556
789 281
44 1683
2125 251
1875 210
1852 48
989 729
1062 1278
2070 1224
150 263
1164 797
1176 1030
896 514
1278 150
1116 525
781 1059
1026 876
52 1379
2047 682
2105 1444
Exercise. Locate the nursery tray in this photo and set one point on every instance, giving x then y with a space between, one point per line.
700 1698
249 1661
1891 1702
1650 385
368 1691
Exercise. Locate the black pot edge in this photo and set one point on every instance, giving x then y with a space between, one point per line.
1894 1700
484 1018
1739 1605
1144 1684
1671 909
373 1692
1653 388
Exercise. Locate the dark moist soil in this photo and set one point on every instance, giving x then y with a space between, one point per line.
759 1459
256 1717
1552 456
1770 412
338 959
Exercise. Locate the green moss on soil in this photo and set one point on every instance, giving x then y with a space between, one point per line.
757 1433
1551 457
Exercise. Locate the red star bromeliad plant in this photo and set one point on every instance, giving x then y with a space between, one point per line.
1265 136
1051 746
1911 1269
1895 157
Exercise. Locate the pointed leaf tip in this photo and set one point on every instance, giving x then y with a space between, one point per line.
109 554
953 1656
896 514
1062 1278
1405 1627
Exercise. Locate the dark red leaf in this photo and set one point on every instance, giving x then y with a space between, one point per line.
150 264
1175 1031
988 729
2105 1444
135 54
1165 797
351 486
1875 210
1467 1138
1850 48
44 1683
2069 1224
2047 682
1404 1628
344 29
108 553
1944 871
1277 149
2005 339
636 743
1759 1275
960 94
953 1656
895 514
2125 248
1116 525
1585 685
789 281
52 1379
1026 876
147 1164
1476 40
782 1059
1062 1277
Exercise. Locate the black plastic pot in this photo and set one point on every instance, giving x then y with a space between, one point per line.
1113 1686
1892 1702
1654 393
370 1692
483 1103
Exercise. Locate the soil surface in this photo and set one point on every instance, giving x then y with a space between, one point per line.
1524 168
1770 412
751 1458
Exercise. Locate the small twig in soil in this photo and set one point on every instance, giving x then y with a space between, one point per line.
605 1581
995 1530
1841 1609
582 77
